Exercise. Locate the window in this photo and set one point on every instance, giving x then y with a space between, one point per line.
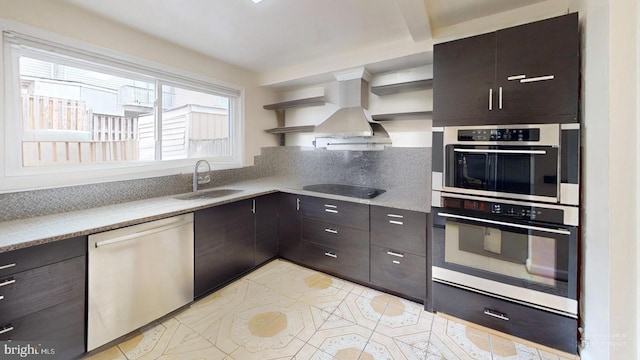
71 111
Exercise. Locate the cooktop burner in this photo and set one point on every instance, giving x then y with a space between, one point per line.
360 192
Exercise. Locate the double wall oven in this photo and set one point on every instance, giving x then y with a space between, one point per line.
505 226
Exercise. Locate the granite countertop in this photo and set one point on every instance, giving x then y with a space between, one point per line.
17 234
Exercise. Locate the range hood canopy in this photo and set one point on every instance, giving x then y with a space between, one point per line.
351 124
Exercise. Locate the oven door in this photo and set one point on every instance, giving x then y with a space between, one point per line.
517 172
529 263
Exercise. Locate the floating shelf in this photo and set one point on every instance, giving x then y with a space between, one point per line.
280 108
402 87
404 116
314 101
291 129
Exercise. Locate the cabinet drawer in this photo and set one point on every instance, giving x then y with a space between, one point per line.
336 212
33 290
398 271
511 318
399 229
335 236
15 261
339 262
60 326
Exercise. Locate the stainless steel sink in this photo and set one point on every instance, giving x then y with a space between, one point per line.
207 194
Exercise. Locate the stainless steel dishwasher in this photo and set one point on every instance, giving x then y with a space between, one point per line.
136 275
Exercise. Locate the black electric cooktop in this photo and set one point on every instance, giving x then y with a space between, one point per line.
360 192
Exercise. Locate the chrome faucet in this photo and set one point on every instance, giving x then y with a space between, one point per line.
203 177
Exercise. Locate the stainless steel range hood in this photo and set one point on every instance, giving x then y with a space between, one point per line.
350 127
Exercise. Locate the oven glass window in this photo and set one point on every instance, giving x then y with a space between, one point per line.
531 258
516 170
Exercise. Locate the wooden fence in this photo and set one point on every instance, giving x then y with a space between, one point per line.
63 131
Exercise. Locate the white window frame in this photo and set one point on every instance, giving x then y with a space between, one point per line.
15 177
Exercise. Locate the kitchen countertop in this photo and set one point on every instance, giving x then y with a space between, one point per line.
22 233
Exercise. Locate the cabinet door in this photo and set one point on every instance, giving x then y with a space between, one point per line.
37 289
266 208
351 265
399 229
336 212
224 244
240 236
209 244
541 59
399 271
289 245
60 326
463 78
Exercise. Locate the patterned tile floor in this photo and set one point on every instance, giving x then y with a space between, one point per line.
284 311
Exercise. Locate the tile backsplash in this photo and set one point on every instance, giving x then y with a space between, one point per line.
400 168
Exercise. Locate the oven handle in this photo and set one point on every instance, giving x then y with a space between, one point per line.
494 222
500 151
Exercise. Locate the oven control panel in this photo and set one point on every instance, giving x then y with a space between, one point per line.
499 135
511 211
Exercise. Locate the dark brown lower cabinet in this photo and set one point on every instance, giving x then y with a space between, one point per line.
39 288
43 296
539 326
60 327
224 244
351 265
400 272
266 215
289 244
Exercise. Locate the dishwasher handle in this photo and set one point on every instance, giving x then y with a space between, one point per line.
141 233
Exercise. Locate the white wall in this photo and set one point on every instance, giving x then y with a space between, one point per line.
609 304
67 20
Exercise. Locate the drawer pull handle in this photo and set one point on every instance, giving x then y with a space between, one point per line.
1 297
396 262
6 329
395 254
396 222
539 78
331 255
496 314
7 282
331 231
331 211
7 266
330 206
395 216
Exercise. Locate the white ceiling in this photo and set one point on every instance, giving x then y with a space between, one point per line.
315 35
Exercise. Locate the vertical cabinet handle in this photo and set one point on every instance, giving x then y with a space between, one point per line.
6 329
331 255
253 206
7 266
7 282
496 314
297 204
490 99
500 98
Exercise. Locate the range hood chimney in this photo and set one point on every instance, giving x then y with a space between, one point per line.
350 127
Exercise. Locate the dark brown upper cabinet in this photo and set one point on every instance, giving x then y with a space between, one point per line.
520 75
